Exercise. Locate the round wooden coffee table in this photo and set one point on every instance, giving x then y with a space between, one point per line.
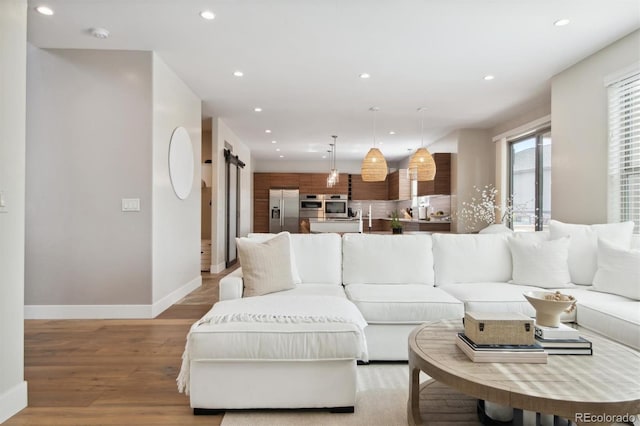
575 387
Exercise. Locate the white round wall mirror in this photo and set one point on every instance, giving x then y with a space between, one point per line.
181 164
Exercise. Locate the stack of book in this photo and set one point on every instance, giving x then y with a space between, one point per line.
562 340
530 354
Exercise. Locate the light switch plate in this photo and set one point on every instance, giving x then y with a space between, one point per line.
3 203
131 204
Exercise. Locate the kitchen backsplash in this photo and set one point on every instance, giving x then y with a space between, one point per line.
383 209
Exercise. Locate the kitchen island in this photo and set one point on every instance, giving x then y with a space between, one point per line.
335 225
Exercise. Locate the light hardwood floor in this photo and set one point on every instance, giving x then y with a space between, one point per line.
112 372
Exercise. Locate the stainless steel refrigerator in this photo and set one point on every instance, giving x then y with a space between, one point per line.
284 207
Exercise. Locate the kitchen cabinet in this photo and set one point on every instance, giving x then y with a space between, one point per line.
361 190
399 185
316 183
441 185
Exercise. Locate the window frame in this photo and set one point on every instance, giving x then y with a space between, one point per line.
538 134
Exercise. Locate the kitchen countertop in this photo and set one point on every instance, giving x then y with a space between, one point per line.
433 220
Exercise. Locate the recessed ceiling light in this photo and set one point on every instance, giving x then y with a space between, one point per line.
101 33
207 14
267 131
238 73
488 77
365 75
44 10
324 156
282 156
274 141
392 132
257 109
561 22
277 149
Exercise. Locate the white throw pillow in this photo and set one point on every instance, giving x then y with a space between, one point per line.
266 266
262 237
541 264
583 250
618 271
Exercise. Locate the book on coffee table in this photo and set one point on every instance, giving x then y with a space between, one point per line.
579 346
530 355
561 332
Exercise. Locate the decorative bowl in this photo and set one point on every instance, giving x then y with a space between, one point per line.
549 306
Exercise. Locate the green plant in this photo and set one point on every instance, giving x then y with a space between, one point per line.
395 220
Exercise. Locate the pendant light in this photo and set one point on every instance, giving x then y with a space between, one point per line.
334 175
421 165
374 166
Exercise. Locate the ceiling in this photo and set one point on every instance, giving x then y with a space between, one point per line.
302 60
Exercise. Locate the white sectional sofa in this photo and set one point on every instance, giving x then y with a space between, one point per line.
400 281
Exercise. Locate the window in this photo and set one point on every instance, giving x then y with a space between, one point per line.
530 180
624 150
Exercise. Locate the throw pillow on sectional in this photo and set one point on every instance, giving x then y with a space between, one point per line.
618 271
540 263
266 266
583 250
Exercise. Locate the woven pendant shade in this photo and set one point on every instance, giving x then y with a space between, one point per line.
374 166
422 166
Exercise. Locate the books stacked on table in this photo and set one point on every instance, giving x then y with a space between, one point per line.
562 340
531 354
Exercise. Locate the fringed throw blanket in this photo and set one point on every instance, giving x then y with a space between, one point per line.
285 309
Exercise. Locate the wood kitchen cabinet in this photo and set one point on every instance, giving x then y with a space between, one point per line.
399 185
361 190
441 185
316 183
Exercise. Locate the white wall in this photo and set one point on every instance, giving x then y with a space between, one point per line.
89 130
579 133
176 222
13 39
222 133
475 166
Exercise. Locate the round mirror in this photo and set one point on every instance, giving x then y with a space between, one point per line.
181 164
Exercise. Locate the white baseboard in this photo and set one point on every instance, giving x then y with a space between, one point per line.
13 400
87 311
110 311
215 269
161 305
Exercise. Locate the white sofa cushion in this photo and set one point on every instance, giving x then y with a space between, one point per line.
311 289
318 257
275 341
541 264
266 267
496 297
614 316
387 259
583 258
403 304
618 271
470 258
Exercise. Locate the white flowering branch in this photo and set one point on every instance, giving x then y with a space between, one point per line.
481 211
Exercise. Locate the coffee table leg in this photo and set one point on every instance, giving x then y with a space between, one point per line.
413 408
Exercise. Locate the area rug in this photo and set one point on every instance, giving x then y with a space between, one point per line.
382 395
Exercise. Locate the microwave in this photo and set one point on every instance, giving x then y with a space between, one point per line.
311 205
335 206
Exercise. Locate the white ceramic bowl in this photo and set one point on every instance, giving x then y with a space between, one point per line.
548 312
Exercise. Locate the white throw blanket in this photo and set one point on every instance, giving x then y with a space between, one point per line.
285 309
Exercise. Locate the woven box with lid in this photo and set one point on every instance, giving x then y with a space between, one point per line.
499 328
